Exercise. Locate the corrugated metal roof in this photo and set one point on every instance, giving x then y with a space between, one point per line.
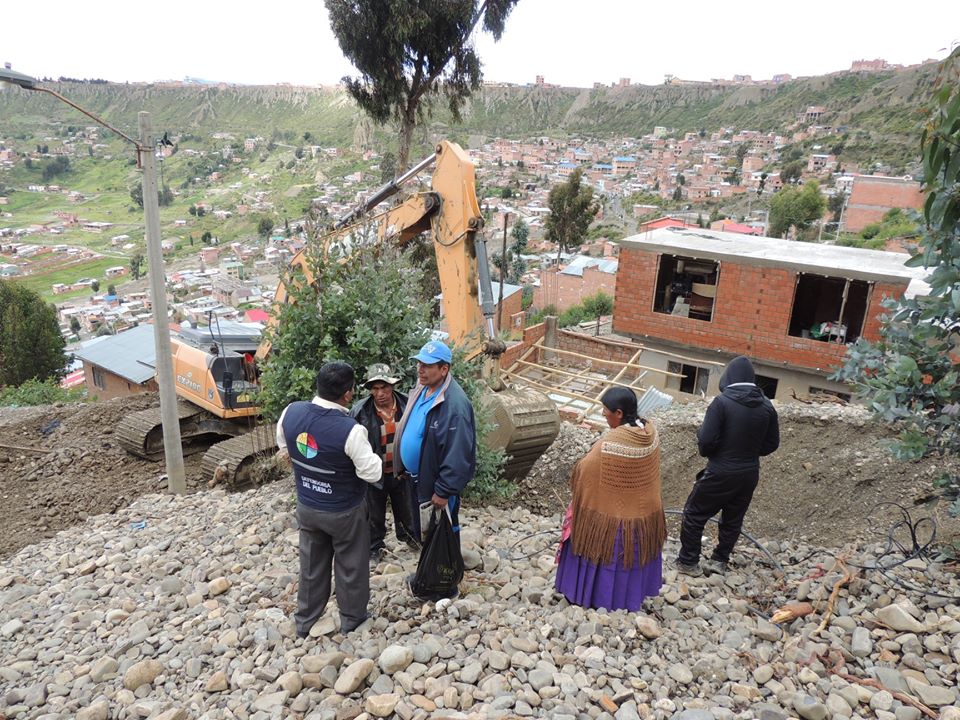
580 262
129 355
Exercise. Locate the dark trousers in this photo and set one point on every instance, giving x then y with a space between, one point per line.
730 495
394 490
340 540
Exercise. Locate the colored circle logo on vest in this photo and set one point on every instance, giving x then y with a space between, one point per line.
306 445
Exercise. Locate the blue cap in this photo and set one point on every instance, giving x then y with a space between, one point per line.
433 352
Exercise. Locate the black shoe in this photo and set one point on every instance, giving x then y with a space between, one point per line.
351 626
689 569
714 567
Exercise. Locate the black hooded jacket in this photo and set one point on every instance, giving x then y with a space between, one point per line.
740 425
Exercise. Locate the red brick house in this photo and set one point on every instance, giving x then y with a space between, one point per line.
789 306
580 278
873 196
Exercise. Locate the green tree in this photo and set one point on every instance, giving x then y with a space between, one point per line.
95 286
74 325
409 52
136 194
136 266
520 233
264 227
835 205
572 208
911 375
111 289
598 305
355 325
31 345
796 207
792 171
388 167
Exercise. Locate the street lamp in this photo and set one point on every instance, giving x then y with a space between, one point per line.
173 453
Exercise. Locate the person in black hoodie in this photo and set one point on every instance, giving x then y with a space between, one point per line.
739 428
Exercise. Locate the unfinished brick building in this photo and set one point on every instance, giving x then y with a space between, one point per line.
873 196
790 306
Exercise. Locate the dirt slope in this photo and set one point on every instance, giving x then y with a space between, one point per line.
831 470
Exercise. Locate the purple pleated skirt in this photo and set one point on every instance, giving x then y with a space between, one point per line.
611 586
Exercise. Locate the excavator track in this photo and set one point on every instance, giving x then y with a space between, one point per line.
229 463
141 433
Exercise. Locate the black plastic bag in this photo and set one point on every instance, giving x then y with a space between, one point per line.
440 569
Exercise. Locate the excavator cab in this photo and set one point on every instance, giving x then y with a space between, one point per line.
231 376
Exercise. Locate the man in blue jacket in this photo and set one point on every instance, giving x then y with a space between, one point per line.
332 463
740 427
437 436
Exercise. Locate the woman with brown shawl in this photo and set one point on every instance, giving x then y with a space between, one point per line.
613 534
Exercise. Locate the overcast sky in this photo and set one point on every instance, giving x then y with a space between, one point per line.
571 43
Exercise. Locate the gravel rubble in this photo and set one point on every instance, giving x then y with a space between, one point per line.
180 607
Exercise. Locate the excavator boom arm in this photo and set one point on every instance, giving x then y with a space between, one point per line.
451 213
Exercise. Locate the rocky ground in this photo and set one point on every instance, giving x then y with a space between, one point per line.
119 603
177 607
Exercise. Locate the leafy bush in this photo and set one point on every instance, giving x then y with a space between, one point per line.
870 231
39 392
489 481
373 310
573 315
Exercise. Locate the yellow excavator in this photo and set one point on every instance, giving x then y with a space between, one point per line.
217 390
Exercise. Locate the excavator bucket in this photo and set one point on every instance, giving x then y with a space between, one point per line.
526 422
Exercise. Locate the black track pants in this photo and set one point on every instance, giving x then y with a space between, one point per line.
729 495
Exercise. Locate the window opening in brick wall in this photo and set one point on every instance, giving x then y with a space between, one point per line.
768 385
686 287
98 379
813 390
829 309
694 380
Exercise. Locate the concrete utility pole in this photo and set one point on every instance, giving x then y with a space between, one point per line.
172 452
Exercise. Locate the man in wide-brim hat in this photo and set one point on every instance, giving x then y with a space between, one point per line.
379 413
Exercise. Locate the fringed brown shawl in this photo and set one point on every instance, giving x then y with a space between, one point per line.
617 485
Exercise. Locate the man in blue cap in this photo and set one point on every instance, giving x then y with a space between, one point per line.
437 435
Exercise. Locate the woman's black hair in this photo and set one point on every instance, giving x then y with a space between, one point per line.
624 400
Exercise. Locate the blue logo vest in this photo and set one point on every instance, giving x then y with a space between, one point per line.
325 475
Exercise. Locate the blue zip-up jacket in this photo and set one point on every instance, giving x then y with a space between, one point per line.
448 455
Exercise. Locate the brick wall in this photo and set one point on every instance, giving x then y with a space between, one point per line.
114 385
531 336
511 306
751 313
595 347
565 291
872 197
